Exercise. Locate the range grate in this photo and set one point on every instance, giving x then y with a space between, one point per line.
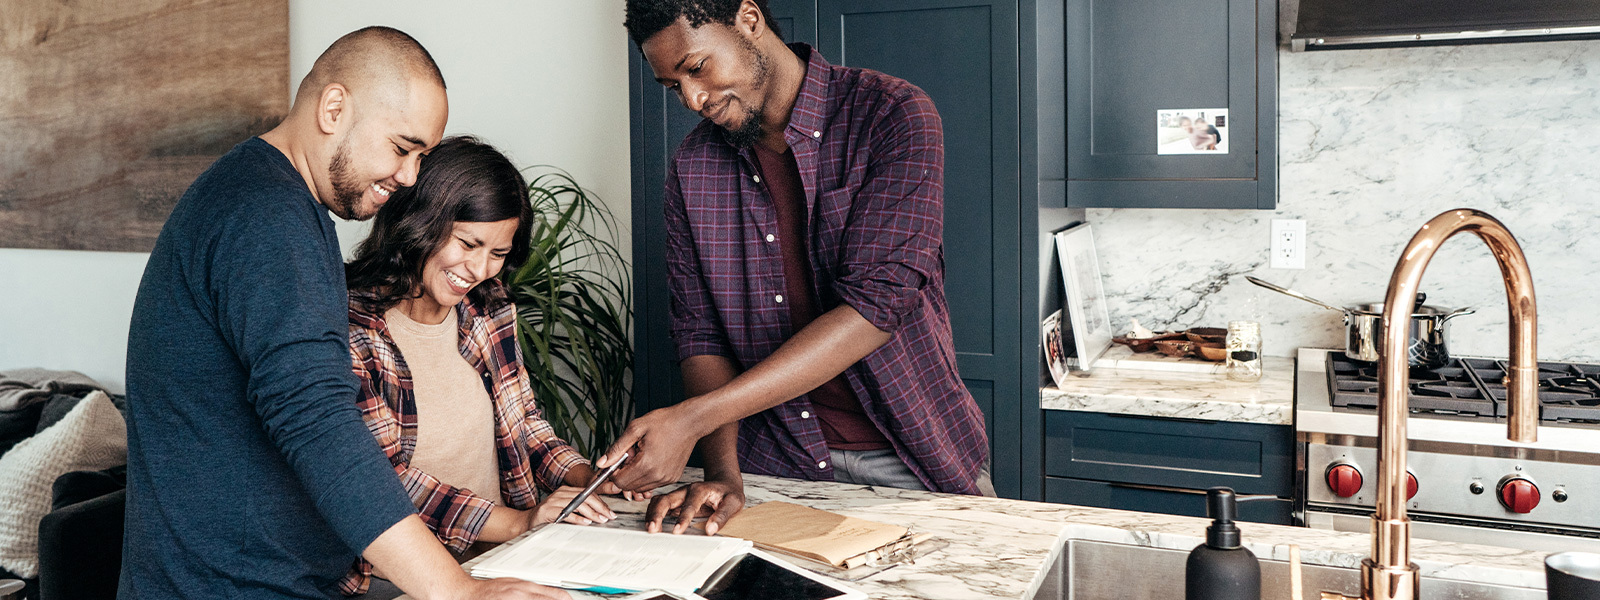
1471 387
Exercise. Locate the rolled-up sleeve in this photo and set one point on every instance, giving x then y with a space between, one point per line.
695 329
893 243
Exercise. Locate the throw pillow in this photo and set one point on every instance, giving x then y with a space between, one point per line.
91 437
60 404
17 425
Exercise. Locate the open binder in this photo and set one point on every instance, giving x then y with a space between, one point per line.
614 561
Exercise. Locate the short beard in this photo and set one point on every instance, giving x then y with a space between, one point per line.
748 134
750 131
347 193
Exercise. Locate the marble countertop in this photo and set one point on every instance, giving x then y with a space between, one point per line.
1130 384
1002 549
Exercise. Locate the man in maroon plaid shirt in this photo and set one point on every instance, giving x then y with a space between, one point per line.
805 256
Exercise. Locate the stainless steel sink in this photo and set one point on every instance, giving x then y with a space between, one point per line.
1103 571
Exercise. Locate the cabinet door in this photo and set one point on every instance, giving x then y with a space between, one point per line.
963 53
1170 501
659 122
1251 458
1128 59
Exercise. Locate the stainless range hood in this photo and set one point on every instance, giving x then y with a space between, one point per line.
1350 24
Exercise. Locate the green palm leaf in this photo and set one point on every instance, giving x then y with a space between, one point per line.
575 313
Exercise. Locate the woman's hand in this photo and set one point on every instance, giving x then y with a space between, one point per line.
583 475
593 509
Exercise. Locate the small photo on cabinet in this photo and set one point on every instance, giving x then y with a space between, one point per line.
1192 131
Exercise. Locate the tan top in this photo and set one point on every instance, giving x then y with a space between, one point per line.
455 416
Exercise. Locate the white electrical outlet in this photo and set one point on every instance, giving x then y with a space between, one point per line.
1288 244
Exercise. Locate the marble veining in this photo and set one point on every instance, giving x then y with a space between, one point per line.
1373 143
1001 549
1121 384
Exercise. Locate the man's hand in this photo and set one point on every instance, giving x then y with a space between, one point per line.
508 589
717 500
593 509
660 443
421 567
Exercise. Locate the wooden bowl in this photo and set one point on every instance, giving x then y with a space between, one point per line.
1146 344
1206 334
1175 348
1212 351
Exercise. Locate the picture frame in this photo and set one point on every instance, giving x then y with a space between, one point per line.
1055 354
1084 303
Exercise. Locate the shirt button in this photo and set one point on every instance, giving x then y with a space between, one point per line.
816 134
805 414
756 177
779 298
822 464
771 237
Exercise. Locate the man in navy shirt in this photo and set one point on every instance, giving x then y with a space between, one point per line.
250 471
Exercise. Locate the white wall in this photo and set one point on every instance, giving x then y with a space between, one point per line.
544 80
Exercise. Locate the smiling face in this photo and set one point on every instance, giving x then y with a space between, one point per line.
717 71
380 150
471 254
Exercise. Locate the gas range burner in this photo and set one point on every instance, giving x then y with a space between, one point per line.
1472 388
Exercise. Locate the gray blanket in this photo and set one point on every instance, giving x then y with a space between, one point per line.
21 388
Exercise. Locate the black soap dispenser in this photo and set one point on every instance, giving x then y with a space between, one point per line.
1222 569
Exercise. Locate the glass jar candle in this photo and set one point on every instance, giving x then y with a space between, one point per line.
1244 351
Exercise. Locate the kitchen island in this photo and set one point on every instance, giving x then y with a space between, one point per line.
1001 548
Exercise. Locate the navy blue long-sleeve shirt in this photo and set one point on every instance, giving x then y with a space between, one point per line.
250 471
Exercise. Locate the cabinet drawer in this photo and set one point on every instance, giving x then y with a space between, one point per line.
1251 458
1101 494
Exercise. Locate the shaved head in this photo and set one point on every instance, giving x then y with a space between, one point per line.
372 105
381 62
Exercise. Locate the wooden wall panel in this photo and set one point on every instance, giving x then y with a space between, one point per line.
110 108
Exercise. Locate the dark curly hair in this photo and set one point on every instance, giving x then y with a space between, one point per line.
462 180
645 18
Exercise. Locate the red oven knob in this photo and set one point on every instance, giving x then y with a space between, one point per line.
1411 485
1519 495
1344 479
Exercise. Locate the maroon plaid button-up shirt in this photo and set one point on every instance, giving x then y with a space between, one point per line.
871 154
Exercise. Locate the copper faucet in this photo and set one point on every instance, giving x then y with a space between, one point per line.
1389 573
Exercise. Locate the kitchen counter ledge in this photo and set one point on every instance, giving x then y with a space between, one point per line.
1154 386
1002 549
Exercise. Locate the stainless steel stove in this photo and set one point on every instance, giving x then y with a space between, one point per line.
1468 483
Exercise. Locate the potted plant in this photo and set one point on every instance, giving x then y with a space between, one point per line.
575 314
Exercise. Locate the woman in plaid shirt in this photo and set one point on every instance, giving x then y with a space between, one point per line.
433 343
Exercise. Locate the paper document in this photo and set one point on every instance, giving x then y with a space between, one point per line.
574 556
818 535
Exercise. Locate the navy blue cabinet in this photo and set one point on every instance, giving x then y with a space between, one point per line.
1164 465
963 53
1129 59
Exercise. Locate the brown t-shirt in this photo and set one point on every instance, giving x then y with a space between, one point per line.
844 424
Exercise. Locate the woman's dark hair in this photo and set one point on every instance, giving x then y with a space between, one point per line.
462 180
645 18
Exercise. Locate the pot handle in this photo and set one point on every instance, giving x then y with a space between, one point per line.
1457 313
1288 292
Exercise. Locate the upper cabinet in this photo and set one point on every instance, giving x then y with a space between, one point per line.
1140 74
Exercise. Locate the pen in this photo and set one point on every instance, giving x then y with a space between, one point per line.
593 485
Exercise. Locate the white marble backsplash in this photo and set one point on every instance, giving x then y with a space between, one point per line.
1372 144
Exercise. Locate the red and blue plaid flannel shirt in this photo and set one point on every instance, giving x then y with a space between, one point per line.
531 456
870 149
